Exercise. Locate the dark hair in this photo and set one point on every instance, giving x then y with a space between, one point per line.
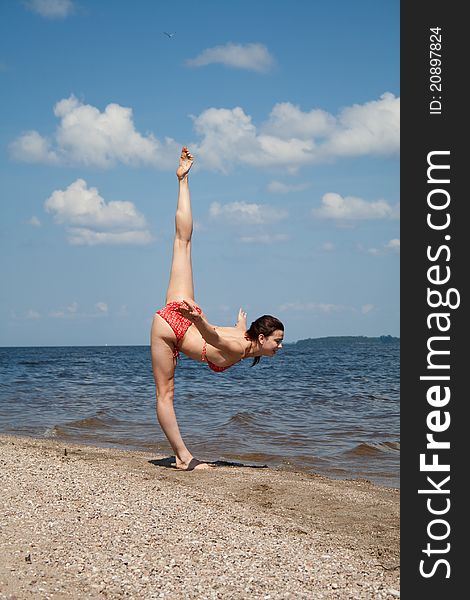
265 325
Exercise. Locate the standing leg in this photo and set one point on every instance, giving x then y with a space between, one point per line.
163 363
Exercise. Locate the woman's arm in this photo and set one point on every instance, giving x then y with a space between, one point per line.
209 332
240 325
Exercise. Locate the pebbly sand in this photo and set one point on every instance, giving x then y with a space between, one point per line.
106 523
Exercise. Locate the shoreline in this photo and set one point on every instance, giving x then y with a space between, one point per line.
95 522
381 479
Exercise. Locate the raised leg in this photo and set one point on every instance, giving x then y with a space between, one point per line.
181 275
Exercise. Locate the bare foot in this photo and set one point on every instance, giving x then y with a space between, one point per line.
186 162
193 465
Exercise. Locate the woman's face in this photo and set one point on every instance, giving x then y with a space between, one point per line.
272 343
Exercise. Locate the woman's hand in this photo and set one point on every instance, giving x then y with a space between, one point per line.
241 321
190 310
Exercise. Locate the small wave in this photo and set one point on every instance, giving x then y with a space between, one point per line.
373 397
242 418
374 448
52 432
87 423
392 445
66 375
91 423
34 363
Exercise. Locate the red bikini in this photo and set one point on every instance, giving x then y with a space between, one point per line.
211 365
176 321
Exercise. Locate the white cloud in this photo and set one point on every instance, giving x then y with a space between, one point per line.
277 187
72 308
79 205
102 307
32 147
87 136
122 312
198 226
52 9
34 222
367 308
370 128
254 57
396 211
291 138
69 312
244 212
328 247
265 238
86 237
286 121
274 151
393 245
92 221
350 208
320 307
228 136
72 311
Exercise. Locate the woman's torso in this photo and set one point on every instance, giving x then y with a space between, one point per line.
193 343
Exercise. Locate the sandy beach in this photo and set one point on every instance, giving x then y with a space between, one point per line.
83 522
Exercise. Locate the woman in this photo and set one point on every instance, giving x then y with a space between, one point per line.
182 326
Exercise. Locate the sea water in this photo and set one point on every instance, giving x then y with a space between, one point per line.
326 405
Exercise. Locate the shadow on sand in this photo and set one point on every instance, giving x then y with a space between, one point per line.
169 463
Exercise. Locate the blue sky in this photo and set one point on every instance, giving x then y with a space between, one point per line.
292 112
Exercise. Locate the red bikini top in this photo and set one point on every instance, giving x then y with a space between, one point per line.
215 368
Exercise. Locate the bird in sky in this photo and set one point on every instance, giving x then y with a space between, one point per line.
170 35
